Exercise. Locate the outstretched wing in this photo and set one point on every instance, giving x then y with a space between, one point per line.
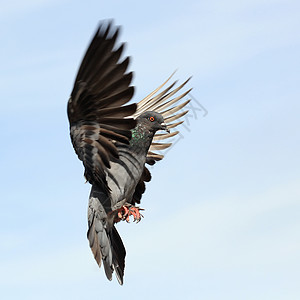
171 107
96 109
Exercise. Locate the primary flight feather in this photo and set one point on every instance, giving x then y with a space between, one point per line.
115 140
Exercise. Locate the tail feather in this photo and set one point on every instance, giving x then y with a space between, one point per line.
119 253
94 243
105 242
101 246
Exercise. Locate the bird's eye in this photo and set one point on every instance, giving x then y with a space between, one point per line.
151 119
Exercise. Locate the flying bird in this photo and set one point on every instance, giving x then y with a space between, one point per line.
116 140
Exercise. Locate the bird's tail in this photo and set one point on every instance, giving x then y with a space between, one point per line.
105 241
118 253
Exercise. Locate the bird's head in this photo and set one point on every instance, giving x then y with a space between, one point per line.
153 120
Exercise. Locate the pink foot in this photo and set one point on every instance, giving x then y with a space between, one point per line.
127 210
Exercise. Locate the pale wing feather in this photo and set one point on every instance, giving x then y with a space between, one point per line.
159 146
155 103
174 124
163 103
162 107
175 117
159 136
175 109
147 98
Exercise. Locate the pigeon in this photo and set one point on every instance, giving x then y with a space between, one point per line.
116 141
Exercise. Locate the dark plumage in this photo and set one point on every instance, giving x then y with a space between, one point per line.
115 141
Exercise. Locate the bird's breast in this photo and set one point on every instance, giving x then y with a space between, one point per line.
125 173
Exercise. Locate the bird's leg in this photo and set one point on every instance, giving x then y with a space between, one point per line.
123 212
128 210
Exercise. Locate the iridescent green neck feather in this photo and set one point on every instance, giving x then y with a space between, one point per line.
141 137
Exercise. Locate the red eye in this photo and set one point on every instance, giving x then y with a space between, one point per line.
151 119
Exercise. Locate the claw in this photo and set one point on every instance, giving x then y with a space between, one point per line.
127 210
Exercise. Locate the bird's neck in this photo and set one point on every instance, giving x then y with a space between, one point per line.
141 138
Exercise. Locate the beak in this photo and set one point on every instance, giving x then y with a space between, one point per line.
164 127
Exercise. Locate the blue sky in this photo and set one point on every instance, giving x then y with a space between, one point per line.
222 210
